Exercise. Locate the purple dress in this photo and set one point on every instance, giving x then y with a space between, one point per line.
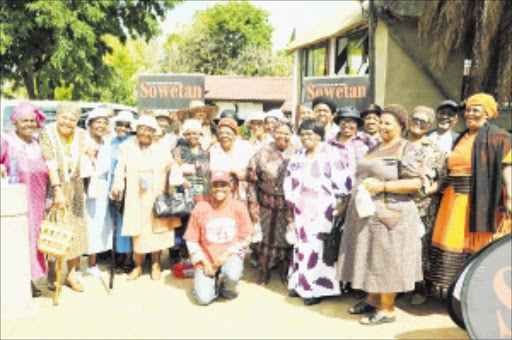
33 172
311 188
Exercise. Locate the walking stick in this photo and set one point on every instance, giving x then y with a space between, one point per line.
114 205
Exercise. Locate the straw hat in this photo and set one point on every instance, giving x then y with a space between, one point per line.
194 108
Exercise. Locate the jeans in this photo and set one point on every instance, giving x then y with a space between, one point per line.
205 287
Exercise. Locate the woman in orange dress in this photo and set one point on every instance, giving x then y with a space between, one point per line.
477 188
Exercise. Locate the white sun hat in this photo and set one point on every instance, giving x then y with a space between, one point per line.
149 121
259 115
99 112
192 124
276 113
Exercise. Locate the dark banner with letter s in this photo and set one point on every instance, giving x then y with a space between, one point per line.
344 90
170 92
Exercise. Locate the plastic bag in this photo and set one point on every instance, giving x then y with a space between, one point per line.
364 203
258 235
291 236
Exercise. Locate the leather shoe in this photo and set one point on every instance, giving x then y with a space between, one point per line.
74 284
293 293
155 271
36 292
362 307
312 301
134 275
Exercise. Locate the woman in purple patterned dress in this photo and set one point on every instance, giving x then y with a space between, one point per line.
314 181
21 147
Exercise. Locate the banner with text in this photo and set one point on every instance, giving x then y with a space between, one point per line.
344 90
168 91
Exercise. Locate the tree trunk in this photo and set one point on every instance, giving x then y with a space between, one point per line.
29 80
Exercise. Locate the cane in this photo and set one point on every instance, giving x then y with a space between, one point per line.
114 206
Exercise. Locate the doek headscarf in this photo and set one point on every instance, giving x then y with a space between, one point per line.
26 108
230 123
486 101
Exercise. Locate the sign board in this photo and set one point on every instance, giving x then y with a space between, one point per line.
344 90
168 91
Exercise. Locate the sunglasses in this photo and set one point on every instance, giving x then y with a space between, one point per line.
122 124
420 122
449 113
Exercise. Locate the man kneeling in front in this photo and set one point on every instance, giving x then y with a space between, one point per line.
218 232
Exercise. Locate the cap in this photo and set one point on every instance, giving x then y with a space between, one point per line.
449 103
220 176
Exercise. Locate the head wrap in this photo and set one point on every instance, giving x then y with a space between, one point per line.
325 100
192 124
69 107
399 112
26 108
373 108
276 113
486 101
149 121
230 123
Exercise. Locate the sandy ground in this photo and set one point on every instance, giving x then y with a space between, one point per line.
166 309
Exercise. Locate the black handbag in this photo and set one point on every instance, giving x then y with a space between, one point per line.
177 205
332 242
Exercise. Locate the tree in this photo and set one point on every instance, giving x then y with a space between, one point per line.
228 38
50 44
483 30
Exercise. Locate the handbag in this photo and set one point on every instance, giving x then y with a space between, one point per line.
332 242
176 205
56 235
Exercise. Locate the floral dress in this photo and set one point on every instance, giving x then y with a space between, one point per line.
311 188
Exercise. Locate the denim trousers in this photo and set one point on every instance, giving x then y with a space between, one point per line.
205 287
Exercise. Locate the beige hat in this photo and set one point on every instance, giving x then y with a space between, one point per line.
194 108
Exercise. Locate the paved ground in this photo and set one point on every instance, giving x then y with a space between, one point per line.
165 309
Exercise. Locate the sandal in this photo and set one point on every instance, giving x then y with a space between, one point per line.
362 307
376 318
74 284
155 271
134 275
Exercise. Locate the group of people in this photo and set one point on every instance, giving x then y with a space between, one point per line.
435 196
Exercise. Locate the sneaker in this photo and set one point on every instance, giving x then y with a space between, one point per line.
376 318
94 271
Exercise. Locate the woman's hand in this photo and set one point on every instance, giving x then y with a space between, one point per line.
208 268
116 194
59 201
374 186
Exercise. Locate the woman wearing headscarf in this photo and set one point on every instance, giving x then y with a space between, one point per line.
97 188
231 154
479 169
193 163
371 121
265 196
123 124
433 174
140 176
381 253
20 149
324 109
258 134
315 179
64 146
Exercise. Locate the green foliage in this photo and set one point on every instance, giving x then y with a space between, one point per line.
47 45
228 38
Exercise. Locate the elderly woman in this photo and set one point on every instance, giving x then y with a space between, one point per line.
371 122
64 145
231 154
306 112
123 124
193 161
314 181
267 206
381 254
258 134
325 108
433 174
140 175
20 149
163 136
97 189
479 169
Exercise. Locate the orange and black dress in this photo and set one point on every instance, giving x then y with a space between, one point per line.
466 219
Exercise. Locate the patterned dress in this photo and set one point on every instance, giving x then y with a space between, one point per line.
67 158
376 256
265 175
311 188
33 172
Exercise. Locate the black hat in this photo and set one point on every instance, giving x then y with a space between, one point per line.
325 100
449 103
373 108
347 112
229 114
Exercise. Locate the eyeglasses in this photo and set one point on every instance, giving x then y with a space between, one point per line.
348 121
122 124
420 122
187 134
447 112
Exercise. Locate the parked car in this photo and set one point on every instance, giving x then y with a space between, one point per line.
49 108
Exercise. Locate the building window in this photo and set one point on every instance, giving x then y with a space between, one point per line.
352 54
316 60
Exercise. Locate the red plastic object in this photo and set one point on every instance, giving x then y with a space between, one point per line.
183 270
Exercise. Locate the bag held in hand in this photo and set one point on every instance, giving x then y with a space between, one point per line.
332 242
56 235
173 205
